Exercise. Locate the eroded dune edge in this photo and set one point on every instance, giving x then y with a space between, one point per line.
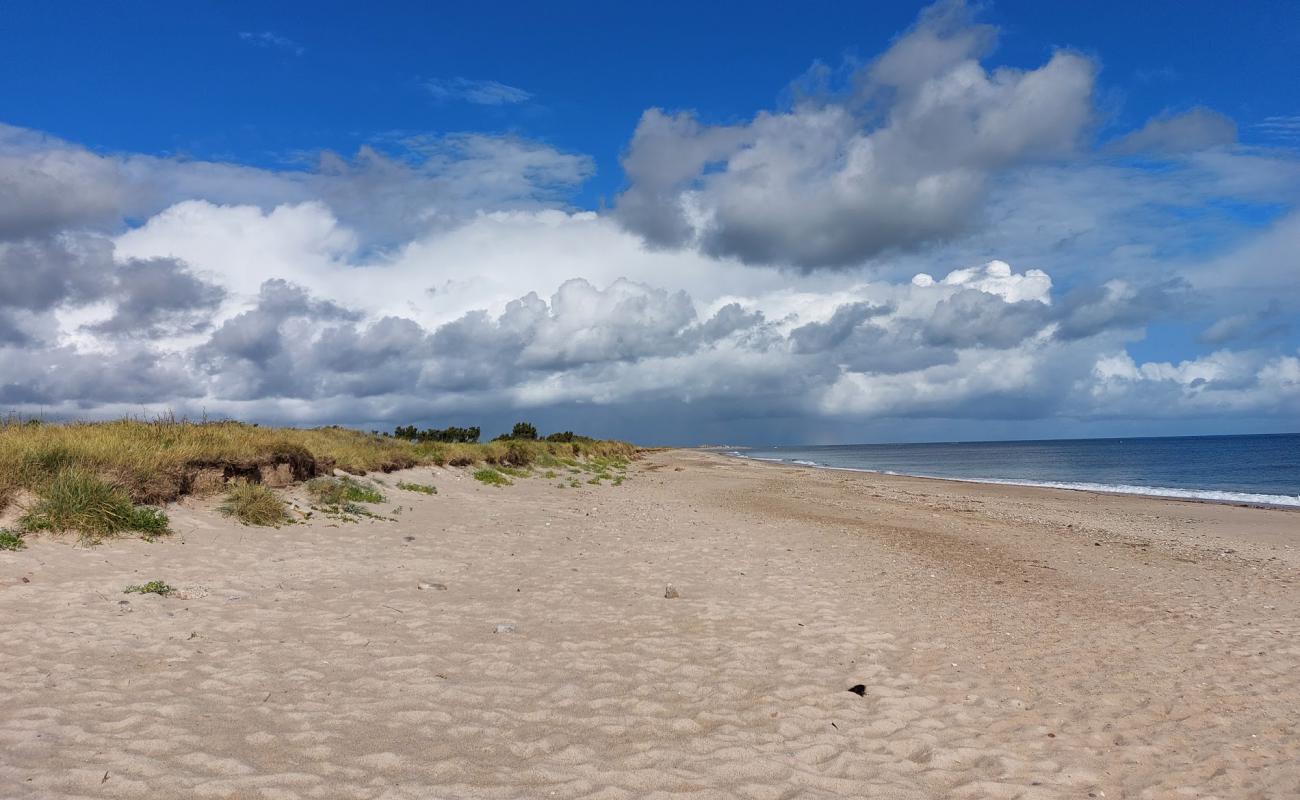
1009 643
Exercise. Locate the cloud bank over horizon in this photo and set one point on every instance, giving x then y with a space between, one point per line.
927 236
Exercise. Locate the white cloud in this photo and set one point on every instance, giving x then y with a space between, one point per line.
905 161
1222 382
991 267
1188 132
272 40
479 92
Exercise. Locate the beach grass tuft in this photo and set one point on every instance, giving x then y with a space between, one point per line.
152 587
10 540
492 477
341 491
254 504
422 488
78 500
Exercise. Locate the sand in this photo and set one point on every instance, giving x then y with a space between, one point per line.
1010 642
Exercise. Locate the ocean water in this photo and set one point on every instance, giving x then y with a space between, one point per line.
1263 469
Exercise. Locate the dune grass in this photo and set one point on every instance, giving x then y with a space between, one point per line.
77 500
10 540
254 504
491 477
95 476
339 491
422 488
152 461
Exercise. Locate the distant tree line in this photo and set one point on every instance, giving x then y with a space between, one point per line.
521 431
453 434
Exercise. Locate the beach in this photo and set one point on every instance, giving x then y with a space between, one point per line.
692 633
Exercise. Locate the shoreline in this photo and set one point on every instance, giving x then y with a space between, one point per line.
521 642
1243 499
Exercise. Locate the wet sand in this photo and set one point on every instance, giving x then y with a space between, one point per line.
1009 642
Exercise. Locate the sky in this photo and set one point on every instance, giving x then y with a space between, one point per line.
741 223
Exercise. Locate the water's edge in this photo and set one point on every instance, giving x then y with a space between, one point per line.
1197 495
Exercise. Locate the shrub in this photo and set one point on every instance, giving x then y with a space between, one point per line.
152 587
10 540
418 487
254 504
491 477
77 500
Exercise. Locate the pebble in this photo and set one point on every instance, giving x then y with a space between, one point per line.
671 592
506 628
431 585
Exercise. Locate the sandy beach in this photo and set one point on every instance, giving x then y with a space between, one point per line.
517 642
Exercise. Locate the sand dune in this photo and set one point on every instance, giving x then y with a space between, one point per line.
1010 643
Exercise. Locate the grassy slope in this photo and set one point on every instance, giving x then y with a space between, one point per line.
151 461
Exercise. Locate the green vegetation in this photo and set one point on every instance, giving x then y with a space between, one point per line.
156 462
411 434
10 540
95 477
341 498
152 587
254 504
422 488
522 453
491 477
76 500
339 491
523 431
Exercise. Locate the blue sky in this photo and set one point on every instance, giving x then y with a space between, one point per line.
179 78
1143 158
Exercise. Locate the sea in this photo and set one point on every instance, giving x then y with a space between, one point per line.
1262 469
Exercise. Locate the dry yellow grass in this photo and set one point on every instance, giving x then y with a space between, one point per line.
155 461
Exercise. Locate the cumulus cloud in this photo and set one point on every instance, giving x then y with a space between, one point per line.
158 296
905 159
1117 303
1188 132
46 186
426 278
418 183
1222 382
